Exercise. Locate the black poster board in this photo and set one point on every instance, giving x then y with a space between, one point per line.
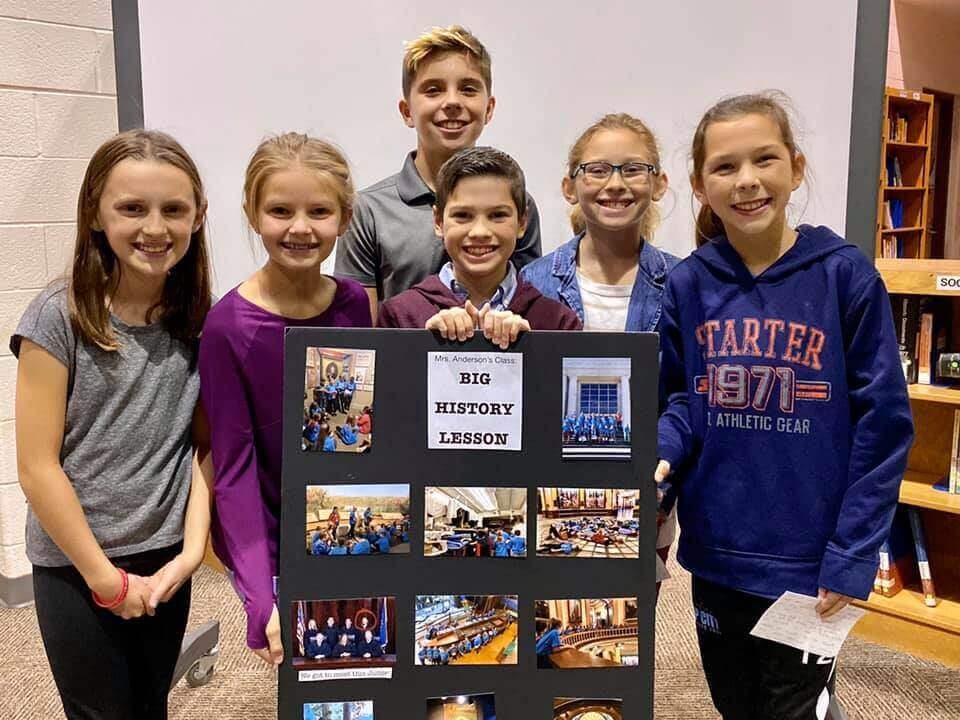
399 454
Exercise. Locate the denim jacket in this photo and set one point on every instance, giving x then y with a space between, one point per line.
555 276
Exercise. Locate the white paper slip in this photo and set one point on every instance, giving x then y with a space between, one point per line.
792 620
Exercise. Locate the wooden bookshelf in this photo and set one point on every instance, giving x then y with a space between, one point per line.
904 622
917 277
908 604
908 143
917 490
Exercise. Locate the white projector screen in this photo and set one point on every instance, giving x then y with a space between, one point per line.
221 76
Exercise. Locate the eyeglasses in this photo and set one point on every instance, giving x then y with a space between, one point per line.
630 172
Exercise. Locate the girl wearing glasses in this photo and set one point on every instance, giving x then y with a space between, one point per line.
609 273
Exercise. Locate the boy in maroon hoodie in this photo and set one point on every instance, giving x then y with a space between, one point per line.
480 213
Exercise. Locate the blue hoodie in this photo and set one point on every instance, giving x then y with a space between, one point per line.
787 422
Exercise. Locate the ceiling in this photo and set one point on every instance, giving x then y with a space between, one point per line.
488 500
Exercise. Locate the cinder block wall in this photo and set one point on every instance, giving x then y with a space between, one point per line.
57 104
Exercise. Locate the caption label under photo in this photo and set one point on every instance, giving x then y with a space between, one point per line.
344 639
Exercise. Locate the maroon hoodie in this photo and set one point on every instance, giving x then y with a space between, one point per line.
412 308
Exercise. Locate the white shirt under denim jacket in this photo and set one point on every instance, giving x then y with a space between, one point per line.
555 276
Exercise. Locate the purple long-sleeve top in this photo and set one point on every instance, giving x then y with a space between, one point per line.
241 383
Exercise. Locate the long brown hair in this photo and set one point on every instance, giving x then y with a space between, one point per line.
95 275
771 104
615 121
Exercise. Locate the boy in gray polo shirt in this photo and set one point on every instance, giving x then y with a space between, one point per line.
390 244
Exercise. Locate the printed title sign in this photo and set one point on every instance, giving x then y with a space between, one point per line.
474 401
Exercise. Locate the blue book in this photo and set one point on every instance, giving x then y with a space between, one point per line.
920 546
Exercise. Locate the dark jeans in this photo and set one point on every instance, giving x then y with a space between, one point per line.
751 678
107 668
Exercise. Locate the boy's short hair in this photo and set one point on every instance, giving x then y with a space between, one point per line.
455 38
481 162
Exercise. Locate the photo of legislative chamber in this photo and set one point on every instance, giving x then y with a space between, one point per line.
466 630
587 522
587 709
475 522
586 633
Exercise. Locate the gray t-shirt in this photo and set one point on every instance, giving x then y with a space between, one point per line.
390 242
126 440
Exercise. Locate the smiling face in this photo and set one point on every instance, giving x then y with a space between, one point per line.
449 104
614 204
748 176
298 218
480 227
148 212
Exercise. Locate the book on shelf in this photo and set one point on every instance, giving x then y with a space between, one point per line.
897 566
952 485
894 176
925 349
906 321
933 338
896 213
923 563
897 127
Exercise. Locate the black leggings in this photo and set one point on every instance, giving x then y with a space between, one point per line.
105 667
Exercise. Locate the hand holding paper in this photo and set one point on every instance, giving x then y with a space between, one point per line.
793 620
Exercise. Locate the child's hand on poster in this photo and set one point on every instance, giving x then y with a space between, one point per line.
455 323
659 475
501 327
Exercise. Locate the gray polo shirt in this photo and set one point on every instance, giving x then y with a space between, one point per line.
390 243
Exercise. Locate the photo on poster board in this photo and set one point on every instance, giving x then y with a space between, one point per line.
479 706
565 708
344 639
586 633
357 520
338 400
475 522
466 630
596 408
588 523
348 710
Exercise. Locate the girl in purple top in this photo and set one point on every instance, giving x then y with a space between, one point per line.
298 197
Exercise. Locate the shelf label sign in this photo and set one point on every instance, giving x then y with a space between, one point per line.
948 283
474 400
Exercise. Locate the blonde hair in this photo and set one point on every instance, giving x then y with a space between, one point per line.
615 121
95 273
279 153
772 104
455 38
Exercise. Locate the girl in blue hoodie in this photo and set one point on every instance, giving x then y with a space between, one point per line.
787 424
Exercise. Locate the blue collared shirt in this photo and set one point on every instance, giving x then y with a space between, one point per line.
501 296
555 276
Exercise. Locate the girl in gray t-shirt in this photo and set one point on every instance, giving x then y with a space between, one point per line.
106 393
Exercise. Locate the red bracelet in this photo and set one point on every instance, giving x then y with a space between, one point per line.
125 585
